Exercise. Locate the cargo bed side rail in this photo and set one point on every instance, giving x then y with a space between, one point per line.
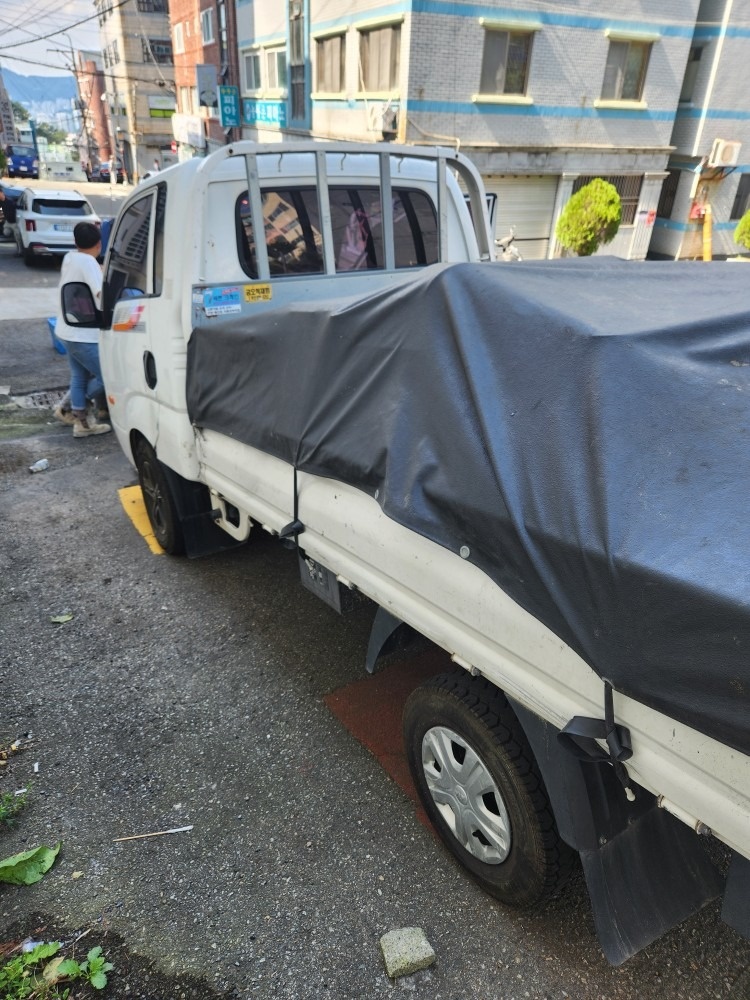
389 159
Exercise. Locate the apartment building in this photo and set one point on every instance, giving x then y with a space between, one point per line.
709 169
139 77
7 124
541 95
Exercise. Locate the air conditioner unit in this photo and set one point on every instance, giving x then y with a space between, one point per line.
375 116
382 117
724 153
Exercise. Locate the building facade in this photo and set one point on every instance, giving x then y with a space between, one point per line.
7 124
204 39
140 86
541 98
709 169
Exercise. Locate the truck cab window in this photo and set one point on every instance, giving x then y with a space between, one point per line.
127 271
292 225
357 222
161 208
294 239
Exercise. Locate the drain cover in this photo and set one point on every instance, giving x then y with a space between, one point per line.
46 400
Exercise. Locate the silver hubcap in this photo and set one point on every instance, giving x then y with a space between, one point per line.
466 795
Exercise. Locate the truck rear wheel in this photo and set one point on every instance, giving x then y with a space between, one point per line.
481 787
158 499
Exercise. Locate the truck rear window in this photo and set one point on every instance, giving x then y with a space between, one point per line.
294 240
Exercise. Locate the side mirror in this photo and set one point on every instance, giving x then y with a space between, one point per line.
78 306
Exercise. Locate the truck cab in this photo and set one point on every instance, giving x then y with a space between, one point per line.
22 161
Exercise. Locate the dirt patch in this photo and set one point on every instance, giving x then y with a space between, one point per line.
134 977
20 421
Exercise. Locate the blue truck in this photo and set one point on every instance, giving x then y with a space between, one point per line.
22 160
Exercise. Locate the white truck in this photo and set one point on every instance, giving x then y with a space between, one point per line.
525 465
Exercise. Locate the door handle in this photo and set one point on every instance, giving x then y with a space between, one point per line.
149 369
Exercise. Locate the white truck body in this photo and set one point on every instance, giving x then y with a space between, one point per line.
193 273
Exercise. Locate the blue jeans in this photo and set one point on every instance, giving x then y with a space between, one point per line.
85 373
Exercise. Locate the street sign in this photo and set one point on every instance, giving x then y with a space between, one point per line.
205 78
229 106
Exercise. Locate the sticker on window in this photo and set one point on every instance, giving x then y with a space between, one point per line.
258 293
221 301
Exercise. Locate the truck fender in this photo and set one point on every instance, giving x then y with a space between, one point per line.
645 870
387 634
193 502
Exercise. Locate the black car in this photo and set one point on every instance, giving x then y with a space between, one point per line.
102 172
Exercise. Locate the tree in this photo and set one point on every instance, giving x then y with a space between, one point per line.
742 232
50 133
20 114
591 218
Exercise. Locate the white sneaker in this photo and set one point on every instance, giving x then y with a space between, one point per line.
89 427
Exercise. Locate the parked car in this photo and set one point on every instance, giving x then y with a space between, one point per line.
46 220
103 172
13 193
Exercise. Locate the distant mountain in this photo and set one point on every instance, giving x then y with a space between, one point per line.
44 97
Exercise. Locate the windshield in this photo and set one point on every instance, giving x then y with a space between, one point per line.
21 150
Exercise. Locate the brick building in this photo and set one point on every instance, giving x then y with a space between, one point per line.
539 96
203 34
95 144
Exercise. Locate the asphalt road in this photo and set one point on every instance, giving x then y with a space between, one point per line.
192 693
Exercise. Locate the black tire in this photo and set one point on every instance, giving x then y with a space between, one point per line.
157 496
29 257
456 725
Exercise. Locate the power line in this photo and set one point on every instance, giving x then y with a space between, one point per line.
41 38
91 72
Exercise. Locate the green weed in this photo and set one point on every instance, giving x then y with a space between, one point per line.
41 974
10 805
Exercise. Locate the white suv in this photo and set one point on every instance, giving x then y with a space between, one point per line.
45 222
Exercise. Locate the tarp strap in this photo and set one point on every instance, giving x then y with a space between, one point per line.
581 735
295 526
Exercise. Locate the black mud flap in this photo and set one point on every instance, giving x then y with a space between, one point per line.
646 871
193 501
736 908
646 880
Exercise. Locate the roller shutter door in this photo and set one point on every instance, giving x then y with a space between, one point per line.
528 203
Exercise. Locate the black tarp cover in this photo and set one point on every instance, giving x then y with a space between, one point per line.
582 426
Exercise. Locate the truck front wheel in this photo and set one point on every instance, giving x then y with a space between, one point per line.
158 499
481 788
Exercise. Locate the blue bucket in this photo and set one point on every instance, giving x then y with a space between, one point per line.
56 342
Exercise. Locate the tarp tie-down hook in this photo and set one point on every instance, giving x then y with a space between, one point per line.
289 532
581 735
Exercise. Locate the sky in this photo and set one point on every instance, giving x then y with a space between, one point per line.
22 22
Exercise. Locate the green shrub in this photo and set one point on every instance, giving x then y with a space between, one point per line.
742 232
591 218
